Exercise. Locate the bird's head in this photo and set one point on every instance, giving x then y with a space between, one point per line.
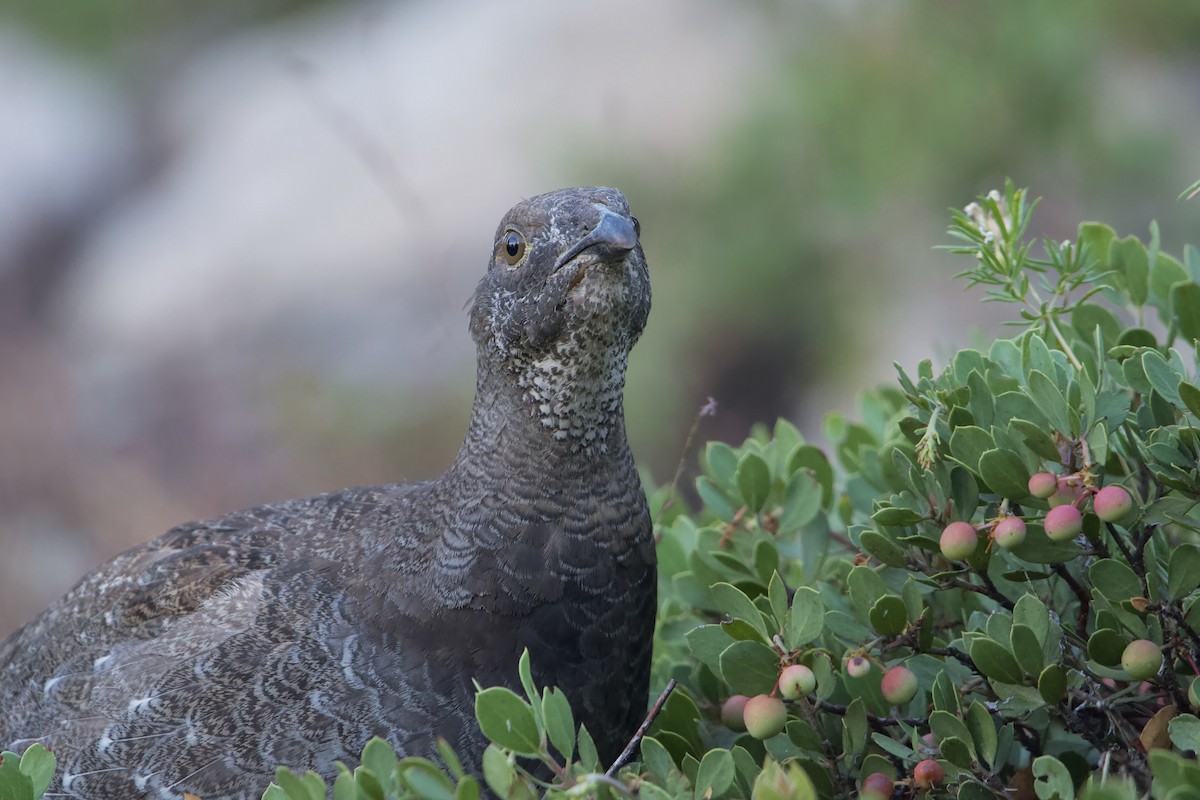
565 298
564 264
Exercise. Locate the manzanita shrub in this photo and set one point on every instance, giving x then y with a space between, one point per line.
987 589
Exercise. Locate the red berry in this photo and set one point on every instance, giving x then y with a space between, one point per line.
765 716
1142 659
1009 532
1042 484
857 667
899 685
928 773
797 681
876 786
1112 503
958 540
733 711
1063 523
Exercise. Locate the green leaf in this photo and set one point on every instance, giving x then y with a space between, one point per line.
1105 647
468 789
1130 260
753 478
750 668
1190 395
1005 473
1026 649
656 759
274 791
1087 318
777 596
1114 580
424 778
1185 307
707 642
14 784
1052 684
715 774
807 617
1035 356
380 759
1183 571
498 771
855 726
983 732
865 587
968 443
807 457
720 462
560 722
1052 780
801 502
1050 401
1031 612
1185 732
1035 437
734 602
895 517
889 616
882 548
995 661
38 764
507 720
589 758
714 499
1017 700
343 786
1161 376
1097 238
957 751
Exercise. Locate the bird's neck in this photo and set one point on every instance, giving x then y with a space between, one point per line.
557 408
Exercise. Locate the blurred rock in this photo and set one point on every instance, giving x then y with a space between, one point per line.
275 306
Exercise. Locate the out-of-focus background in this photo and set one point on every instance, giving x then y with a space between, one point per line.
236 237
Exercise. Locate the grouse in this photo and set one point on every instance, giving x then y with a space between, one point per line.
292 633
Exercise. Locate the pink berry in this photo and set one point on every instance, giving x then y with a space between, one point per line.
1063 523
1042 484
733 712
1067 492
876 786
1009 532
858 667
928 773
899 685
797 681
1142 659
765 716
958 540
1112 503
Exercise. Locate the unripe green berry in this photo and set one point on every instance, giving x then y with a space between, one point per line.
733 712
765 716
958 541
1063 523
858 667
1009 532
797 681
1142 659
899 685
1112 503
1042 485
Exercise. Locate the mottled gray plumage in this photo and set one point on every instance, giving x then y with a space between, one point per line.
291 633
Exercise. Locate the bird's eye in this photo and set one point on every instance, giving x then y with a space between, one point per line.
514 248
637 227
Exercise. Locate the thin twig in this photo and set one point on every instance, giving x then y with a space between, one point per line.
630 748
709 409
1085 599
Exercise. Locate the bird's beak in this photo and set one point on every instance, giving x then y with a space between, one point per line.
613 237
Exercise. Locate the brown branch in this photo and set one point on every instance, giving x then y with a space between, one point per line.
833 708
1081 593
627 753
